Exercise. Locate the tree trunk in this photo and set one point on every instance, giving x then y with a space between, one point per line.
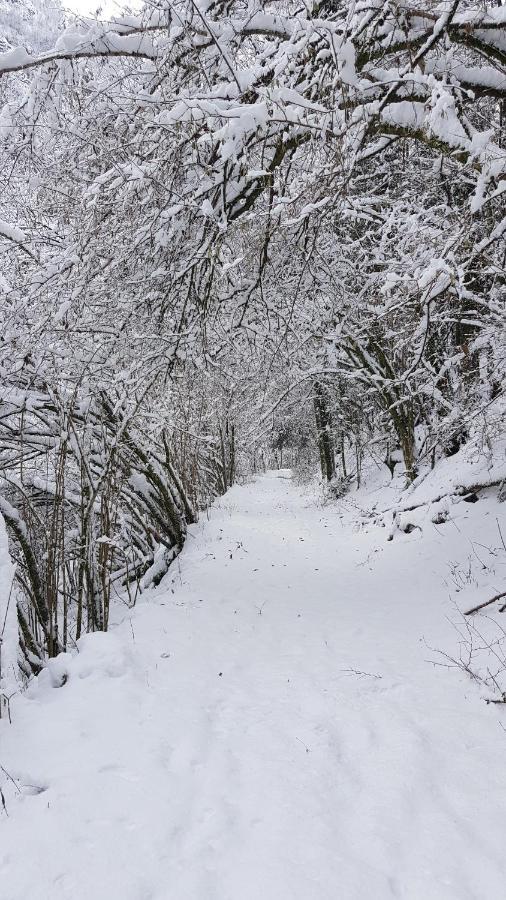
324 433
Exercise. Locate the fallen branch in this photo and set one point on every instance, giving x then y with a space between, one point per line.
459 491
474 609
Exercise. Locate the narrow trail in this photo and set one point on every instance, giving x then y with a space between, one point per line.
267 726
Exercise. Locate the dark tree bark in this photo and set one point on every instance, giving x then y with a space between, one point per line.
324 433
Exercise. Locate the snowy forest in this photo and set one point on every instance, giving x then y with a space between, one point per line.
253 254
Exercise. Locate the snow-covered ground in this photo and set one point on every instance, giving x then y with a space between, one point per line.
269 724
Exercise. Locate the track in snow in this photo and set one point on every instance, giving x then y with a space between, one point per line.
265 727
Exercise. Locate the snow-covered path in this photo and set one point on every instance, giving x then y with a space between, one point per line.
223 742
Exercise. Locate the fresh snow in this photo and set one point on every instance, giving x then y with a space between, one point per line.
12 232
268 723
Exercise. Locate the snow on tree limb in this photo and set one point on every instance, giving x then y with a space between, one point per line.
16 236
